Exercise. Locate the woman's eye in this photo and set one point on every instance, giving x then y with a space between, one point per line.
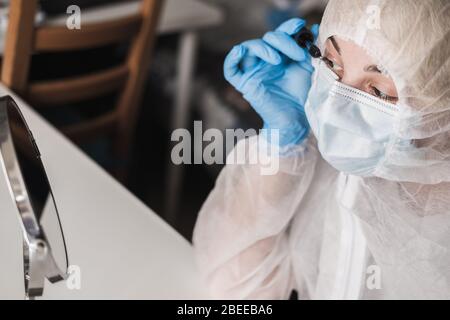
332 65
383 96
328 62
337 69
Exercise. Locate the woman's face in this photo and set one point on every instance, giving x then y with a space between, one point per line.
355 68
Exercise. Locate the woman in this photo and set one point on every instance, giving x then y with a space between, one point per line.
360 206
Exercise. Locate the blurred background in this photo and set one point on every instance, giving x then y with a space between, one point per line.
176 80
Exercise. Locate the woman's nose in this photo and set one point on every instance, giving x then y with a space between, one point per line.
353 81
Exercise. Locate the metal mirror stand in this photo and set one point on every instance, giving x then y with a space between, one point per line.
39 262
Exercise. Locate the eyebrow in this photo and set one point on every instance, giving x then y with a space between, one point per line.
335 44
372 68
369 68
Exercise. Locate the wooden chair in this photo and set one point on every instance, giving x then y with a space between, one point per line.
24 39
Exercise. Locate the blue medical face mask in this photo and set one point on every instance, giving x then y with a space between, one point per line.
353 128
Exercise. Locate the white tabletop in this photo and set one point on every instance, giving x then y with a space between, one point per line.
124 250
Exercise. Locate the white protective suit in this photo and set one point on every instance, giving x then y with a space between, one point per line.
334 236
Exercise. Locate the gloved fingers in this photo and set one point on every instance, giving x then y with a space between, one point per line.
291 26
249 63
253 82
248 50
296 80
315 31
231 67
285 44
306 65
258 48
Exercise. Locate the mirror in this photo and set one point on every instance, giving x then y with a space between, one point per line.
45 254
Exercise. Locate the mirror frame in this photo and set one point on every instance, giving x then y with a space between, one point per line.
39 262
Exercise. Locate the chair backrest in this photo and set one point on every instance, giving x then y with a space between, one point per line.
24 39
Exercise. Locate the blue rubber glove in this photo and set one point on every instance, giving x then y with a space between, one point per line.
274 75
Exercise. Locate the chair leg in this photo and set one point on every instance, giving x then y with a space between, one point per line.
180 119
122 147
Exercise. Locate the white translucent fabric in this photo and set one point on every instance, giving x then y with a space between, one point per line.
335 236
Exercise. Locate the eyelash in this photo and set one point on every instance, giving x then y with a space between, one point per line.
381 95
375 91
331 64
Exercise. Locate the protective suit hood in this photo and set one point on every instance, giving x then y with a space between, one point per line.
410 41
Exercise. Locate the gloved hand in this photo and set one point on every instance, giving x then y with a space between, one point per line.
274 75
